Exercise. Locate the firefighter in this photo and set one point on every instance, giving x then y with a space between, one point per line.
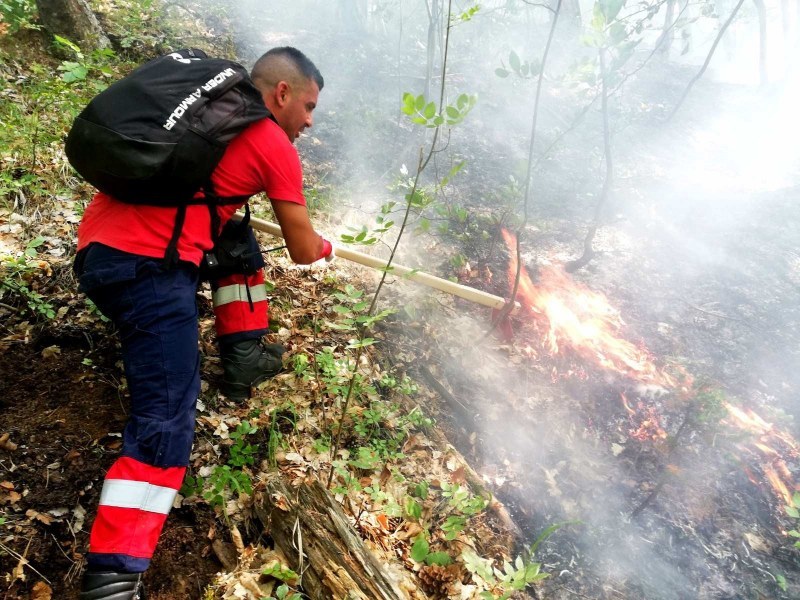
119 266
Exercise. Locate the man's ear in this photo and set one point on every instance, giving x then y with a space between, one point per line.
282 92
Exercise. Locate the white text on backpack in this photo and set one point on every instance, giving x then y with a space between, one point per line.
209 85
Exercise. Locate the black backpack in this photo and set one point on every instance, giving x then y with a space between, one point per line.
155 136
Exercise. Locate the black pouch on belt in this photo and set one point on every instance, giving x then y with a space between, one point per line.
236 252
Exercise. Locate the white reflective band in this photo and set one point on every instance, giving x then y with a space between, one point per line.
137 494
238 293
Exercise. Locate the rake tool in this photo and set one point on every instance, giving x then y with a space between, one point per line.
443 285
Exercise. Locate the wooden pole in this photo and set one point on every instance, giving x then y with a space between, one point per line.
443 285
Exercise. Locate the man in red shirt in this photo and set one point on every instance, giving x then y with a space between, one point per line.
120 267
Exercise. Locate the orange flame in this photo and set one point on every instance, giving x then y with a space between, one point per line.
626 405
778 484
570 315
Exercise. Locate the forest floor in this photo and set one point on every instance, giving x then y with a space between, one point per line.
673 498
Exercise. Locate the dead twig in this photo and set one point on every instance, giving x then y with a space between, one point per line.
23 562
664 477
710 55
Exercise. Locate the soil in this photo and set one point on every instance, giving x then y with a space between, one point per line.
66 417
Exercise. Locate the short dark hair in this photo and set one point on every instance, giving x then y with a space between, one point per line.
285 63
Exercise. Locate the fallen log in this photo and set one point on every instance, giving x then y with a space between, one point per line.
315 535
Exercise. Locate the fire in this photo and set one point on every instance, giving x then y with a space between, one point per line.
569 316
626 405
770 438
778 484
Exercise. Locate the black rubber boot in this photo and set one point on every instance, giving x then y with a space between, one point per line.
247 364
107 585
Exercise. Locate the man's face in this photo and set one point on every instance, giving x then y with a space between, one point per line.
296 113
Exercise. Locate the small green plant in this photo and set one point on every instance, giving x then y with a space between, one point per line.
96 64
352 314
462 501
503 582
523 69
281 573
301 366
513 577
16 15
17 274
793 510
283 592
366 459
348 482
281 417
780 581
224 481
214 489
710 403
421 552
423 112
242 453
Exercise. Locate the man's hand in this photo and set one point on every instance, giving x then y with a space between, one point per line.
328 252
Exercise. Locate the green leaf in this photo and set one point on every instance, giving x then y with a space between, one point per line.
419 103
548 532
452 112
532 572
598 22
617 33
793 512
361 344
420 549
413 508
513 61
502 72
781 581
611 8
430 110
438 558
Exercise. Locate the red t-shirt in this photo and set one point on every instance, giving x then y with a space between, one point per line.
260 159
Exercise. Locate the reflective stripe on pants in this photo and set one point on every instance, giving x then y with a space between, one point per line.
239 316
134 505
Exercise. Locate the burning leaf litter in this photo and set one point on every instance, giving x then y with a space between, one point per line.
571 318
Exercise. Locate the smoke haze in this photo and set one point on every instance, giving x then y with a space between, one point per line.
697 248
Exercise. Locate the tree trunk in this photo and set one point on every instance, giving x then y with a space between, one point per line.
664 42
588 241
74 20
762 40
313 532
434 14
352 14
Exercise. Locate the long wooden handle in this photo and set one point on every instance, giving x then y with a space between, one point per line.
443 285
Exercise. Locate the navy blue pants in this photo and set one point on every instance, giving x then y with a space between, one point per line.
155 312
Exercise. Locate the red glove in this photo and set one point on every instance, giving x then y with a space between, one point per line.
327 251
